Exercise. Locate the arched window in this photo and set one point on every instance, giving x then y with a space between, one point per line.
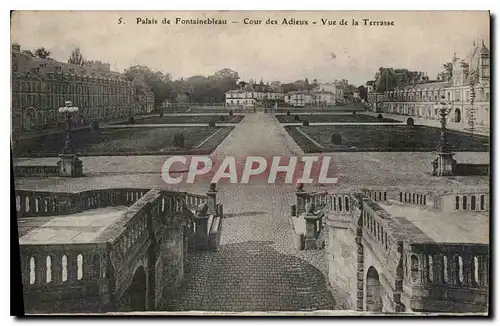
400 196
445 269
79 262
64 271
473 202
335 203
48 269
457 203
476 270
340 204
430 269
385 195
413 199
424 199
32 270
346 204
464 202
405 197
481 202
414 268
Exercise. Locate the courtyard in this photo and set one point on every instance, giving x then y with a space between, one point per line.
126 141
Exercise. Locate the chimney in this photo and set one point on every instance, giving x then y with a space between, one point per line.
15 47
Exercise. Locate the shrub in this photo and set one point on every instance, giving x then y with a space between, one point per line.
94 125
231 112
179 140
410 122
131 120
211 124
297 118
380 117
287 112
336 139
305 123
222 118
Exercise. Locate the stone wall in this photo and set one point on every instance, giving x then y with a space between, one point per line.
35 171
170 270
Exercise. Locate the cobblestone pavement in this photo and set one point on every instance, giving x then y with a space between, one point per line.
256 268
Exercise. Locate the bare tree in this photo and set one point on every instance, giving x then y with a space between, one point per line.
76 57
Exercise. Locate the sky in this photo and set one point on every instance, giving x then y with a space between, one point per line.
419 40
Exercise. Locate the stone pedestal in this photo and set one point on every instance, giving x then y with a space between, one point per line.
212 202
201 235
311 233
444 165
70 166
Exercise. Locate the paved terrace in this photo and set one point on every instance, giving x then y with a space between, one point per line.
82 227
423 224
256 267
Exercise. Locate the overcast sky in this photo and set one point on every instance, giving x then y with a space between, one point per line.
417 41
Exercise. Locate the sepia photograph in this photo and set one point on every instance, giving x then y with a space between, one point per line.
251 163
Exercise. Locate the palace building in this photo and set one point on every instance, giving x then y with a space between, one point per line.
470 79
41 86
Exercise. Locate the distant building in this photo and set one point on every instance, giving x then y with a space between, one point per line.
41 86
299 99
420 100
252 98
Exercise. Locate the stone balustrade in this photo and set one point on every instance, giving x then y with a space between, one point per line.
45 203
22 171
63 272
440 275
438 264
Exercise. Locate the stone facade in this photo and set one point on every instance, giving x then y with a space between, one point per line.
420 100
41 86
383 263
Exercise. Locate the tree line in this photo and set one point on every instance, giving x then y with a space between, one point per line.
195 89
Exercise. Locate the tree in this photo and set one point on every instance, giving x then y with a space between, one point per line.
42 53
385 80
29 53
76 57
363 92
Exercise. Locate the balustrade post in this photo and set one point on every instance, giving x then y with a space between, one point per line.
311 231
212 199
201 234
425 268
40 267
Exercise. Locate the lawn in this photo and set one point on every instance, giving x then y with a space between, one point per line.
205 119
392 138
125 141
332 118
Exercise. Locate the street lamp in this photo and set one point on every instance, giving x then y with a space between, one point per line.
69 165
444 164
68 110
